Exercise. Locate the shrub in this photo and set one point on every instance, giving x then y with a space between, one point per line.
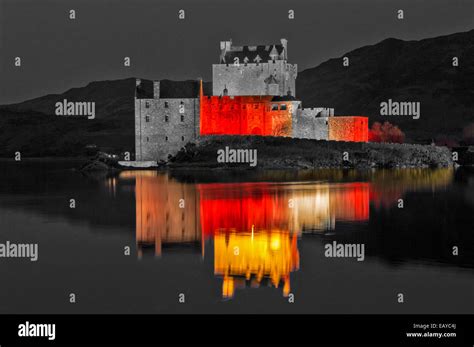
386 132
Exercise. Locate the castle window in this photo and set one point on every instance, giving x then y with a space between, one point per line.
147 139
182 138
166 138
182 118
274 107
166 119
167 104
147 118
147 104
283 107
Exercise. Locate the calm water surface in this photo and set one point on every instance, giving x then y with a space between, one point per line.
236 242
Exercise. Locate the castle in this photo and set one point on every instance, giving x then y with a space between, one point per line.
253 93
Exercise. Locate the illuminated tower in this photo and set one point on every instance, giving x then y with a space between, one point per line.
254 70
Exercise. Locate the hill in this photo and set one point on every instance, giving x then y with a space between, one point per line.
32 127
417 71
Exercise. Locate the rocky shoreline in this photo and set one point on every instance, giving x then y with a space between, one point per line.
289 153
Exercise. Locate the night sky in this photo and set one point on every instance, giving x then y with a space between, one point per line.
58 53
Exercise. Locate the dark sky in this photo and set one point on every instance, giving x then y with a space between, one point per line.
58 53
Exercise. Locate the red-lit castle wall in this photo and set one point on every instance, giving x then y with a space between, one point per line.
260 115
244 115
348 128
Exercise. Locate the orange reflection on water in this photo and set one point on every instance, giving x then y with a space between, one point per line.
165 212
240 257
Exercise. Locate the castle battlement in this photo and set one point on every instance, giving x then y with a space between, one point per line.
316 112
254 70
261 64
249 54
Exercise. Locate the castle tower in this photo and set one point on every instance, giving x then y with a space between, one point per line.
284 43
247 70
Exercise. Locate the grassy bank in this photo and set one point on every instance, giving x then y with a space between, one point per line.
288 153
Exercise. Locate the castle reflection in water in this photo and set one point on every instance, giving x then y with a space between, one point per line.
255 227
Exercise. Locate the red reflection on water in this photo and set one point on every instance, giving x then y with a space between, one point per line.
265 206
237 207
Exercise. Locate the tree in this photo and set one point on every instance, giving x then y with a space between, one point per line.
386 132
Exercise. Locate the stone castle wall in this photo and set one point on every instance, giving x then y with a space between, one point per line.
312 123
249 79
349 128
164 126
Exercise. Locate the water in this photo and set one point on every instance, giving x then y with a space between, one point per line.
235 242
